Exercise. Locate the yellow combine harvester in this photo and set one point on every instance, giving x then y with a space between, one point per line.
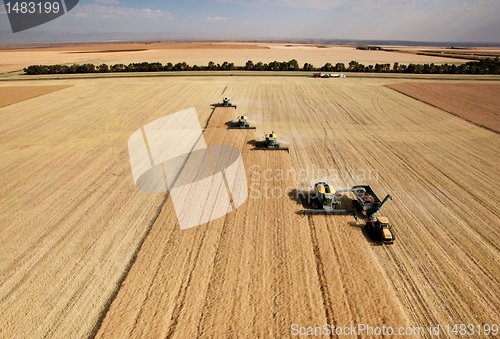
242 123
270 144
226 102
326 201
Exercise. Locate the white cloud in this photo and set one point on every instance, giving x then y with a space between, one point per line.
216 19
326 4
289 3
251 23
112 11
479 7
108 1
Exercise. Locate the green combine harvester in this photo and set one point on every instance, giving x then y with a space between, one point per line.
270 144
242 123
226 102
378 228
327 202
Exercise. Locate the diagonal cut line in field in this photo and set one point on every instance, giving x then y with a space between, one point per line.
394 88
13 95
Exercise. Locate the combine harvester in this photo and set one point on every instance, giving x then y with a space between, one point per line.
378 228
241 124
226 102
327 202
270 144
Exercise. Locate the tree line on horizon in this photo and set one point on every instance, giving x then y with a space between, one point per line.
483 66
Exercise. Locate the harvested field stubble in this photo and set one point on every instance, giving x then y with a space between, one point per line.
438 167
72 219
70 215
254 272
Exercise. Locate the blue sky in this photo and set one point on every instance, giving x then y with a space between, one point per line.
421 20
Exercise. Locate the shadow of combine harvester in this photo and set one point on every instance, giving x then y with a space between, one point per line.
226 102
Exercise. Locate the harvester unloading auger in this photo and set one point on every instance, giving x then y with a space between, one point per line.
327 202
241 124
270 144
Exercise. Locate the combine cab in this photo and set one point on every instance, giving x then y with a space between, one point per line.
226 102
326 202
270 144
242 123
380 230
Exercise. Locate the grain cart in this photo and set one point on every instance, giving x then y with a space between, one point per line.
378 228
270 144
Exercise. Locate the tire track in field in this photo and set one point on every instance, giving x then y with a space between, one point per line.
327 301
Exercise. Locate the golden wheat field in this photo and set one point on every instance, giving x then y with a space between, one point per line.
201 53
87 254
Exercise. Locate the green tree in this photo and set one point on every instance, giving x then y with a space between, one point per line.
103 68
168 67
353 66
327 67
260 66
308 67
339 67
293 65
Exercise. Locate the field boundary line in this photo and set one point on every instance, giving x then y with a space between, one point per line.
442 109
